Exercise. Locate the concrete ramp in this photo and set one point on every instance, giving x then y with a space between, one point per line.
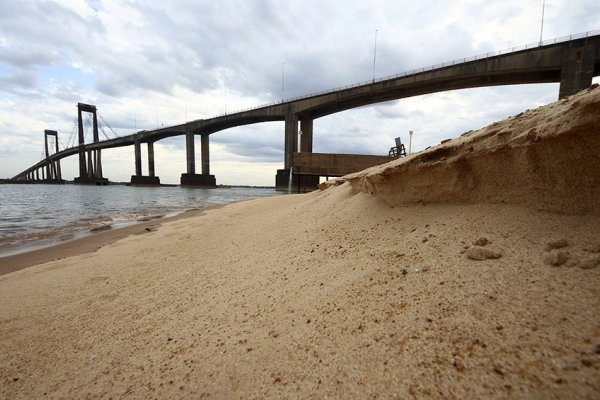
323 164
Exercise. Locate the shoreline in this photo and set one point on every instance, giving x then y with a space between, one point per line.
91 242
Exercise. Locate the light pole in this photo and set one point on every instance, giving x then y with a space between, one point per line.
410 133
542 28
282 80
374 55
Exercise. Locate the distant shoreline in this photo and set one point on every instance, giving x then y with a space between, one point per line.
11 182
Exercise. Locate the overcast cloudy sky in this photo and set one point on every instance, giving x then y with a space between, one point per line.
152 63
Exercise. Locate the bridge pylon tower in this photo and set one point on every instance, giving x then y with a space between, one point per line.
53 172
90 162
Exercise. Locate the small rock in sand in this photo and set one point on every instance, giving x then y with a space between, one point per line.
460 367
482 253
589 263
556 244
557 258
532 135
593 249
482 241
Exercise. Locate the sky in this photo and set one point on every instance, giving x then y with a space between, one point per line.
146 64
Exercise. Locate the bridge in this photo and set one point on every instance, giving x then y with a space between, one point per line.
572 61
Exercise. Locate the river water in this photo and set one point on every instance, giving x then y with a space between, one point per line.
33 216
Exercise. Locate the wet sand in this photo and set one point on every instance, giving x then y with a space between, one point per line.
87 244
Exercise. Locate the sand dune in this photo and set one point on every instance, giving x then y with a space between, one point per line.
545 158
470 270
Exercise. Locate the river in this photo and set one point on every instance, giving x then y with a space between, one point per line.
33 216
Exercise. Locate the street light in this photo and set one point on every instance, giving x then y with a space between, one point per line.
542 28
282 80
374 55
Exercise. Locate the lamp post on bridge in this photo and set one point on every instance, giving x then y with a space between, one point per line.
282 81
375 54
542 28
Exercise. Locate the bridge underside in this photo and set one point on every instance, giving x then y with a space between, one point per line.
570 79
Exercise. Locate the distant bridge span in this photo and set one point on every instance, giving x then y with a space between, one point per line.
572 61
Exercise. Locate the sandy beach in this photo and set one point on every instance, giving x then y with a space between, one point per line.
470 270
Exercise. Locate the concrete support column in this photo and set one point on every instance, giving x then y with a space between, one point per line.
48 164
58 174
138 157
191 179
90 165
141 180
577 69
291 138
205 154
306 138
98 164
82 166
189 147
97 161
151 158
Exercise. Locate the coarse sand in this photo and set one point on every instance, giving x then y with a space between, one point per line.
470 270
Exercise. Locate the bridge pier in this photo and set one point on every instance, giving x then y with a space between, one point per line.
141 180
306 135
53 172
296 182
90 172
291 136
151 160
191 179
577 69
299 183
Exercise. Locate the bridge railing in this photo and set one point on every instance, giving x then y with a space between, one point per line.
417 71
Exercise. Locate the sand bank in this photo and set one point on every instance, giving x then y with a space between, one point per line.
339 293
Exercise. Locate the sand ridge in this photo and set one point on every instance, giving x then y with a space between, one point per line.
338 293
546 158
